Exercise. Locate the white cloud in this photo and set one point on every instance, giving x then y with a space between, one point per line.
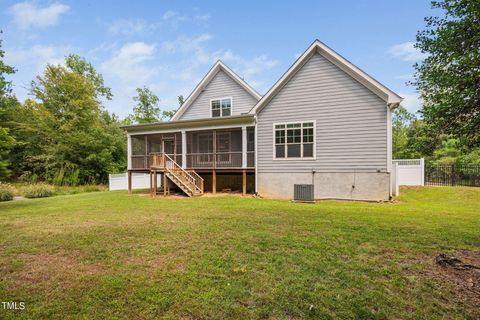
197 54
406 52
129 63
38 55
186 44
29 14
411 101
251 67
175 19
131 27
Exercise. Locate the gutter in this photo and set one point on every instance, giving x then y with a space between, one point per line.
181 124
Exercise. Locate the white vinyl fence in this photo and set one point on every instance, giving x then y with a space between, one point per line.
139 181
410 172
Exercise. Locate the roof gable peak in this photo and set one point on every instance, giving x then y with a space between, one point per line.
218 66
358 74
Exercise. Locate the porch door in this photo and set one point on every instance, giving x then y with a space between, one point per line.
168 147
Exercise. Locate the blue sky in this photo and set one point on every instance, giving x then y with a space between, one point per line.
169 45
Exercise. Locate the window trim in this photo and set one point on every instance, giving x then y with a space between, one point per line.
223 98
274 156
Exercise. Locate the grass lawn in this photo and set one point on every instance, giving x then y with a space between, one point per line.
110 255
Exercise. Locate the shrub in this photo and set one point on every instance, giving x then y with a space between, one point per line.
93 188
6 192
40 190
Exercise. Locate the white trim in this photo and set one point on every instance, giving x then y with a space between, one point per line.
140 133
389 140
256 155
318 47
274 156
219 65
221 115
129 151
244 146
184 149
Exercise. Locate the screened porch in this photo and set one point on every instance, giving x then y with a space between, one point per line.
232 148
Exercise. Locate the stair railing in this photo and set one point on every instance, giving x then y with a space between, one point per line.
191 180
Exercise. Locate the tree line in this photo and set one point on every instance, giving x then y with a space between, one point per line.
447 128
64 135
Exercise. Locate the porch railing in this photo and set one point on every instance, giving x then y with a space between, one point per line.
198 160
219 160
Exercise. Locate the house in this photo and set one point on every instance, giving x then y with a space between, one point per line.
324 122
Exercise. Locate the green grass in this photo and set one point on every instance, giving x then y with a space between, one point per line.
110 255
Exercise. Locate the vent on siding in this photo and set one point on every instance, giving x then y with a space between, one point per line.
303 192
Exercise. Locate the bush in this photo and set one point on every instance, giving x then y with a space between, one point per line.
93 188
40 190
6 192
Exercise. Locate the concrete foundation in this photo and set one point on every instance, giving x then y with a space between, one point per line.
336 185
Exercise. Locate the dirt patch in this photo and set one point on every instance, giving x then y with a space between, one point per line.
460 271
62 267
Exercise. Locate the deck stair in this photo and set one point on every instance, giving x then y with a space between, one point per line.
188 181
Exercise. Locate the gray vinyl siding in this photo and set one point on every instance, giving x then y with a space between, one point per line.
351 121
221 86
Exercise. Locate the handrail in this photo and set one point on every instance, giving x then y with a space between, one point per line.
198 180
173 167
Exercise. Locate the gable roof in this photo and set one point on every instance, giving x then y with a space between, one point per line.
218 66
390 97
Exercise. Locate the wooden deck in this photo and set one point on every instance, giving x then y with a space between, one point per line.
160 163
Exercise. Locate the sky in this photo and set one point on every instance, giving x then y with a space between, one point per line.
169 46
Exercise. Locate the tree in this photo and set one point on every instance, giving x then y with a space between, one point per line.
66 136
7 101
401 120
422 140
82 67
449 77
181 100
147 109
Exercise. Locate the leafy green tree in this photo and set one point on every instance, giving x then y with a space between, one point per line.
448 152
66 135
449 77
401 120
422 140
147 109
181 100
82 67
7 101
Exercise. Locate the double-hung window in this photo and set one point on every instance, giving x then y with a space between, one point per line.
294 140
221 107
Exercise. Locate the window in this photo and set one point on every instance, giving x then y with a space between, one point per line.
221 107
294 140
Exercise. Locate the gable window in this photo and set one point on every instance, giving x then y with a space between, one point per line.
221 107
294 140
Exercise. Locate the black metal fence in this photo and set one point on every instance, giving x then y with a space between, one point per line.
452 175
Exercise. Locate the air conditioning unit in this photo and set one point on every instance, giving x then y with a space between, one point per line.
303 192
